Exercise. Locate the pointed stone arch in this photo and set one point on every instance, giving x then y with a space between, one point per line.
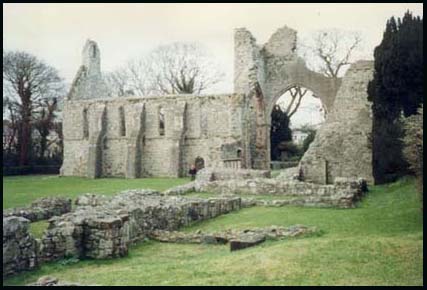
263 74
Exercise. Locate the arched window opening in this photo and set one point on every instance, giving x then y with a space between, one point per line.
295 117
161 121
104 143
122 128
85 124
93 51
239 153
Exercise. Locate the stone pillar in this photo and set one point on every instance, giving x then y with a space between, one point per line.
177 139
94 162
134 143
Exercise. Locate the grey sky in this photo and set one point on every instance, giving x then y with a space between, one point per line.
56 32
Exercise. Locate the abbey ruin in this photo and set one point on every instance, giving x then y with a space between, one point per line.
162 136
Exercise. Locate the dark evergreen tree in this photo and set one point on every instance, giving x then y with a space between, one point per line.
397 88
280 131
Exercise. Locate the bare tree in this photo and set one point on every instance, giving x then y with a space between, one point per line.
134 78
182 68
329 51
177 68
44 123
9 129
116 82
30 82
296 95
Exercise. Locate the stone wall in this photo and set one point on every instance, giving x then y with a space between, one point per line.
41 209
344 193
88 83
224 236
19 246
341 147
230 130
195 126
264 73
211 174
106 229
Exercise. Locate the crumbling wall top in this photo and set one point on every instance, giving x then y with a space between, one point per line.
282 43
91 57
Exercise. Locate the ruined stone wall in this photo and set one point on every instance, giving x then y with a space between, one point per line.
106 136
212 174
106 229
19 246
264 73
194 126
41 209
344 193
342 146
88 83
275 67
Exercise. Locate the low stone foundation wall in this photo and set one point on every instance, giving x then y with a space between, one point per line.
103 227
211 174
19 246
106 230
41 209
223 237
343 193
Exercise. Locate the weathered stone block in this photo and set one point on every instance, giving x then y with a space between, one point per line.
246 240
41 209
19 247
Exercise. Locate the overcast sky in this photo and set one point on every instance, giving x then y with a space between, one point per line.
56 33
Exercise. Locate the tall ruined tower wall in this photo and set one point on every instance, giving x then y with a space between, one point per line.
342 147
88 83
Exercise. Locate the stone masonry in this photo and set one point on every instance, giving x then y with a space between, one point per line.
19 246
104 227
109 136
341 147
223 237
343 193
41 209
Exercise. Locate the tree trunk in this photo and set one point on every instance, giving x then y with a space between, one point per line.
25 142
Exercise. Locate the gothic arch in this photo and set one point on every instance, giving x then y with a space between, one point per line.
263 74
274 100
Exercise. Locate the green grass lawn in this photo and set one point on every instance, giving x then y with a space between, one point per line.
22 190
378 243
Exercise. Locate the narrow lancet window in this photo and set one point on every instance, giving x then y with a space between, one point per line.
93 51
85 124
122 127
161 121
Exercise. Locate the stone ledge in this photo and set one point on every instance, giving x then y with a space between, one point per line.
41 209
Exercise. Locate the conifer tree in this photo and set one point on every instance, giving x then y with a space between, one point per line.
279 131
397 88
